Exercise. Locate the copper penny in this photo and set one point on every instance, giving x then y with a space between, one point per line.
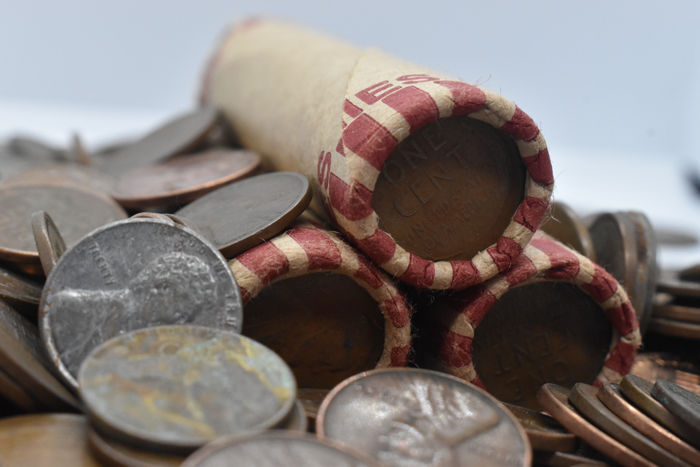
238 216
175 388
565 459
670 282
673 311
112 453
611 395
672 327
450 190
555 399
566 226
403 416
638 390
47 439
64 174
585 398
184 178
324 325
49 242
544 433
679 401
653 366
21 293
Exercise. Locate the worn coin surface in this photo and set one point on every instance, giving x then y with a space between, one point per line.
277 449
585 398
418 417
611 395
21 293
116 454
679 401
49 242
555 400
129 275
567 227
184 178
544 433
238 216
175 388
450 190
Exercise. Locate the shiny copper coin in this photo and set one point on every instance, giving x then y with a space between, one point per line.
238 216
566 226
585 398
311 399
638 390
611 395
555 399
63 174
20 292
672 327
653 366
400 415
50 439
450 190
114 454
175 388
16 394
672 311
184 178
565 459
75 211
679 401
670 282
49 242
544 433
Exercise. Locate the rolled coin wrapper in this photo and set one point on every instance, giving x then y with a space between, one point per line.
308 249
544 259
336 113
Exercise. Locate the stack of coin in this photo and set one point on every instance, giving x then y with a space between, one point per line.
676 309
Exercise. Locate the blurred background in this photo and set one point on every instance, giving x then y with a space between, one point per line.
614 86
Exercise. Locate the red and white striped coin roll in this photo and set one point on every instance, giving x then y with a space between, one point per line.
544 259
307 249
335 113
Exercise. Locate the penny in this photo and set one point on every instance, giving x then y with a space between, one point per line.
311 399
128 275
46 439
671 327
175 388
585 398
567 227
544 433
23 359
401 416
75 211
653 366
238 216
324 325
19 292
450 190
565 459
679 401
611 395
555 399
638 390
176 136
63 174
277 449
14 393
673 311
670 282
116 454
184 178
49 242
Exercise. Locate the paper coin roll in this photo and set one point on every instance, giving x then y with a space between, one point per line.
439 182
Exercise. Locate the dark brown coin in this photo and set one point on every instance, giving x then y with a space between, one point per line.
565 459
638 390
184 178
567 340
567 227
555 399
670 282
585 398
672 311
401 416
324 325
450 190
544 433
611 395
277 449
16 394
21 293
49 242
175 388
48 439
238 216
76 212
176 136
114 454
672 327
679 401
311 399
64 174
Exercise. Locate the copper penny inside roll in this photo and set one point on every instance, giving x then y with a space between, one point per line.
450 190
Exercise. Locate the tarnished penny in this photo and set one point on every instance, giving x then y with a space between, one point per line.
611 395
21 293
277 449
175 388
670 282
679 401
567 227
555 400
450 190
238 216
324 325
47 439
49 242
114 454
567 340
544 433
672 327
75 211
638 390
585 398
129 275
418 417
22 358
184 178
63 174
